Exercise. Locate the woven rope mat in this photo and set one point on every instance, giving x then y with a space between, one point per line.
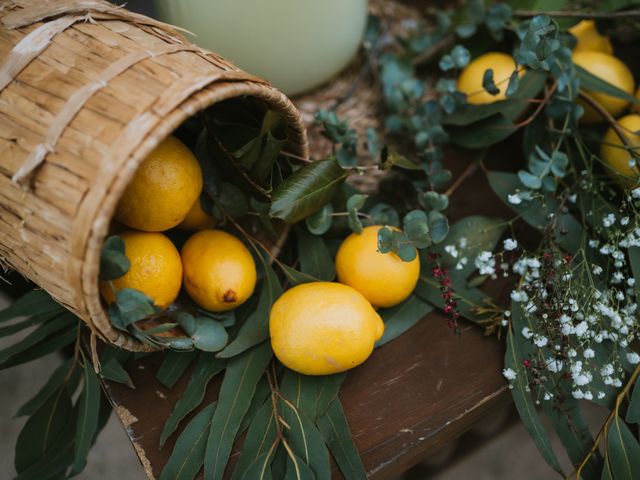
360 99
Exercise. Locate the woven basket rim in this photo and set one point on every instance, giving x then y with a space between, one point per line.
197 102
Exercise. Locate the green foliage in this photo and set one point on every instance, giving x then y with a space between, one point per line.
402 317
307 190
113 260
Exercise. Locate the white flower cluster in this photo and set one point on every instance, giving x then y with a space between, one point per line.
573 328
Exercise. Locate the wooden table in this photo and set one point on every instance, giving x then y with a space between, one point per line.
411 397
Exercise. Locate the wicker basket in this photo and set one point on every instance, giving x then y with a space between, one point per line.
87 90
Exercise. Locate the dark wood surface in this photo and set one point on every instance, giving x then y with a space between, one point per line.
412 396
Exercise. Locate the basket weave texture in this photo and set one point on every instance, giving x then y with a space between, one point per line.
87 90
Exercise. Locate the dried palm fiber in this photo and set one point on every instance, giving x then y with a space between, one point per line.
355 96
87 90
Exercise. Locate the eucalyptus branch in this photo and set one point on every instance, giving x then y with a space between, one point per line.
577 14
434 51
467 172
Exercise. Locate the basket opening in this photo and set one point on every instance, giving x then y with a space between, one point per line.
245 145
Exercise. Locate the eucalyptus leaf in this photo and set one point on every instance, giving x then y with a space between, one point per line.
113 260
55 381
320 222
28 322
259 469
384 214
488 83
399 319
592 83
43 428
416 226
307 190
572 429
633 412
439 226
133 305
206 368
87 423
209 335
263 392
355 203
524 403
434 201
48 345
53 326
173 366
297 469
187 456
623 450
335 430
113 370
237 390
296 277
36 302
306 441
233 200
315 259
258 441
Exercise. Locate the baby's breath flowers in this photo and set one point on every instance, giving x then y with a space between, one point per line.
578 313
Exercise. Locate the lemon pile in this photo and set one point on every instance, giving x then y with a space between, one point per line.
594 53
216 269
322 328
316 328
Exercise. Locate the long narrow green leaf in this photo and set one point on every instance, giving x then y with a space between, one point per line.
401 318
573 431
36 302
315 259
525 406
297 469
307 190
206 368
306 441
335 430
255 328
187 456
114 371
588 81
633 412
173 366
56 379
623 451
48 345
42 429
263 390
57 458
310 394
236 392
259 469
28 322
89 409
43 331
258 441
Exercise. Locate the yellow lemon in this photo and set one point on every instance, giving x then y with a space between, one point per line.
197 218
383 278
611 70
321 328
156 268
163 189
470 80
219 271
589 38
618 158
